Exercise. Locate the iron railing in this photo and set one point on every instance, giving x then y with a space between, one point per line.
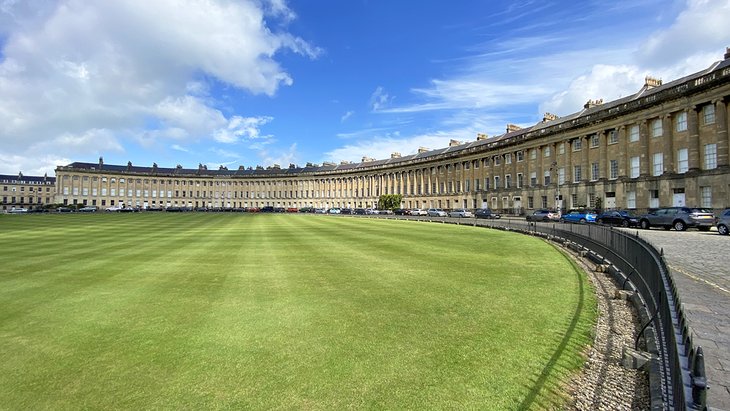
677 375
680 363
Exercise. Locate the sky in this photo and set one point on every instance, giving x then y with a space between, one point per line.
264 82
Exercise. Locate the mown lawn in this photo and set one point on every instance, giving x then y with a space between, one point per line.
200 311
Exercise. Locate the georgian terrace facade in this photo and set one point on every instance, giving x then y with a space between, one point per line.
19 191
665 145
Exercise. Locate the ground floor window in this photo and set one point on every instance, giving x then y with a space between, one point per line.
706 197
631 199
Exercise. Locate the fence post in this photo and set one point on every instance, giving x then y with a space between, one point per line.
699 380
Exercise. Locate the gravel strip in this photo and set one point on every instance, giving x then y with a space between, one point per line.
604 383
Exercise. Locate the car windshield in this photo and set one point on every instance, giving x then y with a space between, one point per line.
627 213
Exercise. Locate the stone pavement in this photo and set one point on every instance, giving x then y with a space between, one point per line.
700 265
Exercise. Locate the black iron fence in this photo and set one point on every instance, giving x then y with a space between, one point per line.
679 365
677 374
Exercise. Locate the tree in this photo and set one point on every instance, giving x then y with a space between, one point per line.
389 201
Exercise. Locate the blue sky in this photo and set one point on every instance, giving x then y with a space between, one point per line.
223 82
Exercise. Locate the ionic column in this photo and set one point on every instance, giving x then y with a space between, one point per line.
721 127
644 144
668 144
693 138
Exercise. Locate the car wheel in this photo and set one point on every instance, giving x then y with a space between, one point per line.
644 224
625 223
679 225
722 229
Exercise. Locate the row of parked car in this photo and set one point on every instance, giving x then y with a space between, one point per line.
678 218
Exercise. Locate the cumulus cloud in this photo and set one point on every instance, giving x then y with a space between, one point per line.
701 26
136 69
242 128
603 81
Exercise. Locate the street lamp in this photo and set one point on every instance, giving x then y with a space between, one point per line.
558 199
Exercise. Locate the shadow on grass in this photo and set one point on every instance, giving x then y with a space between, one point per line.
552 367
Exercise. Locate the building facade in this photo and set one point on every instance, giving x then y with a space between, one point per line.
21 191
665 145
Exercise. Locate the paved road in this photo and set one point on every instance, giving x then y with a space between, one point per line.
700 265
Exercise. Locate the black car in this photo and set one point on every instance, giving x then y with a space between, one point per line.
486 213
345 211
359 211
623 218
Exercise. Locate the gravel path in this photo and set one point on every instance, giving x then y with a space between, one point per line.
604 383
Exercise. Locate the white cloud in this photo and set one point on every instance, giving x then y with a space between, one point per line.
603 82
346 116
283 158
700 28
178 147
242 128
379 99
133 69
32 164
382 147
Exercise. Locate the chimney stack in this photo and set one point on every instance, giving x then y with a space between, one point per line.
651 82
513 127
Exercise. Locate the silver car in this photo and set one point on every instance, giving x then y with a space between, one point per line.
436 212
460 213
679 218
723 222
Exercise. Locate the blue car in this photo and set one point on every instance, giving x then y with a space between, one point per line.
579 216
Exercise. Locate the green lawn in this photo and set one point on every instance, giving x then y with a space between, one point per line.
199 311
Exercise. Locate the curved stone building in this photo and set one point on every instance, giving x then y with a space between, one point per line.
665 145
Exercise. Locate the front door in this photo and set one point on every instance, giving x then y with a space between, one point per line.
678 200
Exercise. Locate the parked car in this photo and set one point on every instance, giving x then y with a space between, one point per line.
400 211
579 216
63 210
334 211
19 210
113 209
359 211
384 212
87 209
419 211
436 212
460 213
543 215
679 218
345 211
723 222
486 213
624 218
320 211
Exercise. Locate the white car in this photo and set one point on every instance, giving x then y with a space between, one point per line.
18 210
436 212
460 213
114 209
418 211
334 211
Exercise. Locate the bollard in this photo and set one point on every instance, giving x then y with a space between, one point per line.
699 380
